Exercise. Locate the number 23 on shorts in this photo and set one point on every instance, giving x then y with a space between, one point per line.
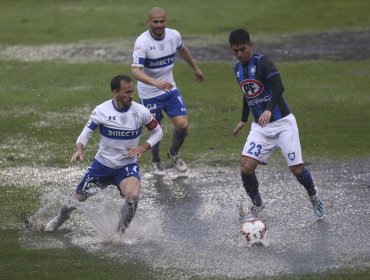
254 149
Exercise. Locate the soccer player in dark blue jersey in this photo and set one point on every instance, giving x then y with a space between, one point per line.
273 123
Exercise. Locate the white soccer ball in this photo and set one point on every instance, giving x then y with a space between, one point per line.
254 231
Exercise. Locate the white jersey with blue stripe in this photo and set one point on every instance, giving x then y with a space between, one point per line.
119 130
157 58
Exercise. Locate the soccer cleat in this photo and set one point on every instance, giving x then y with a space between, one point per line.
52 225
157 169
256 209
177 162
317 204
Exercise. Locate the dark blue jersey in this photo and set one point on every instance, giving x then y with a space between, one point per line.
260 82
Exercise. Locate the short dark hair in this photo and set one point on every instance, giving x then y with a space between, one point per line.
238 37
116 81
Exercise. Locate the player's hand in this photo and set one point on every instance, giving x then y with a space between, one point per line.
238 128
136 151
199 75
78 155
264 118
163 85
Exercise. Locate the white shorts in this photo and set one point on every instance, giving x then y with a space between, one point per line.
283 133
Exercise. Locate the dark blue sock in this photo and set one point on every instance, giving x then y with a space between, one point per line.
250 184
305 179
155 153
128 211
178 140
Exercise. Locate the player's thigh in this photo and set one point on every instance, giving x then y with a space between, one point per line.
258 147
289 142
96 177
128 181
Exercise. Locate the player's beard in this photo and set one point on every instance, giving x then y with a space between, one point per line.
158 33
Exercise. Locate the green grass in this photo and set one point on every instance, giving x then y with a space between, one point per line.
48 107
41 22
72 263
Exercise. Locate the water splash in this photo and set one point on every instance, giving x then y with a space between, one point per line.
191 224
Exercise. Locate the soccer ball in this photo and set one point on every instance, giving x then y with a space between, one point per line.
254 231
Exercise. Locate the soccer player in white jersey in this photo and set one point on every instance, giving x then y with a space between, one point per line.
120 122
152 64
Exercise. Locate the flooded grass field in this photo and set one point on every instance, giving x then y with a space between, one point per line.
189 227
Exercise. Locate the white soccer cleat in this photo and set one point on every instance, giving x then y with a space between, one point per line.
317 204
157 169
52 225
177 162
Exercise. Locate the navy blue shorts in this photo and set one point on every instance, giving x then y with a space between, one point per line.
170 102
98 177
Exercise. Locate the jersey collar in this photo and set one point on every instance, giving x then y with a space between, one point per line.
155 38
123 110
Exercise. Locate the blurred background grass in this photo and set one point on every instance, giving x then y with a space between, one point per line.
46 104
44 21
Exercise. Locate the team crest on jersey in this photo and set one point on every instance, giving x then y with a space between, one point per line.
123 119
136 118
291 156
161 47
251 88
252 70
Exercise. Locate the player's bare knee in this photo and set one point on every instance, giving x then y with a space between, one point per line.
132 194
180 123
246 171
132 197
182 127
71 201
246 168
248 165
297 169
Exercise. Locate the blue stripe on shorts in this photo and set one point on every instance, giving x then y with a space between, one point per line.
98 177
